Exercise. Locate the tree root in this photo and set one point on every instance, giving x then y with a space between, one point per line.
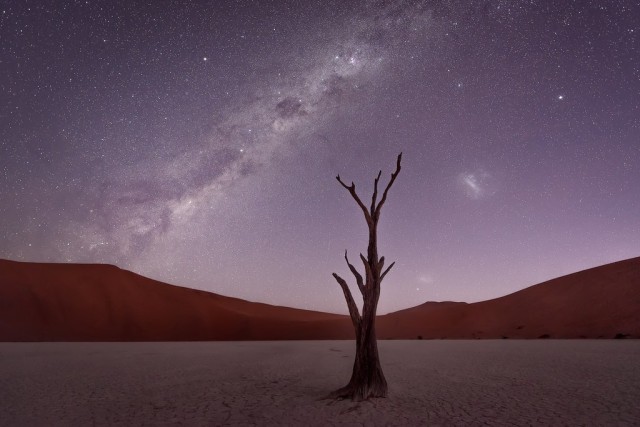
357 394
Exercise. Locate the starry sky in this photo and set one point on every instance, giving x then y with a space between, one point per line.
198 142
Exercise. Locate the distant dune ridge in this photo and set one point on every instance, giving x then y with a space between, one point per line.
86 302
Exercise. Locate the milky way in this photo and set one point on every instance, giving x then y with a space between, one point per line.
199 143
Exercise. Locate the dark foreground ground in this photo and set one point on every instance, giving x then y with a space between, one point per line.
500 382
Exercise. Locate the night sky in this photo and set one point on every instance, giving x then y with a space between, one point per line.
198 142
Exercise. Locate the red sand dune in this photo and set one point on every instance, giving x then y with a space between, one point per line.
84 302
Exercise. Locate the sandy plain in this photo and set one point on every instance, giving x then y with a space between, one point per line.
494 382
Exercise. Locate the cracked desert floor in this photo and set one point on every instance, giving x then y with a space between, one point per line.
501 382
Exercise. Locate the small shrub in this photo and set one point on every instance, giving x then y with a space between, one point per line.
419 337
620 336
544 336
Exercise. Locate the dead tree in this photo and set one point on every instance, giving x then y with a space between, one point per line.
367 379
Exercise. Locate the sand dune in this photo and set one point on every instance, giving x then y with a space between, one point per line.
83 302
65 302
601 302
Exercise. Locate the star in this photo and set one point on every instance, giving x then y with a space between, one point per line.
157 149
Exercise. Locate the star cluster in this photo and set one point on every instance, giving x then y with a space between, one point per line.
198 142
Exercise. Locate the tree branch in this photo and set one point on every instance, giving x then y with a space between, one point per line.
357 275
353 308
375 194
387 270
386 190
352 190
380 264
368 272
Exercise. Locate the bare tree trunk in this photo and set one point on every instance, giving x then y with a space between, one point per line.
367 379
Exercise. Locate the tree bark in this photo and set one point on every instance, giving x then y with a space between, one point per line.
367 379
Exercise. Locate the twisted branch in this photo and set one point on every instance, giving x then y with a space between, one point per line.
353 308
352 190
375 194
368 272
386 190
387 270
357 275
